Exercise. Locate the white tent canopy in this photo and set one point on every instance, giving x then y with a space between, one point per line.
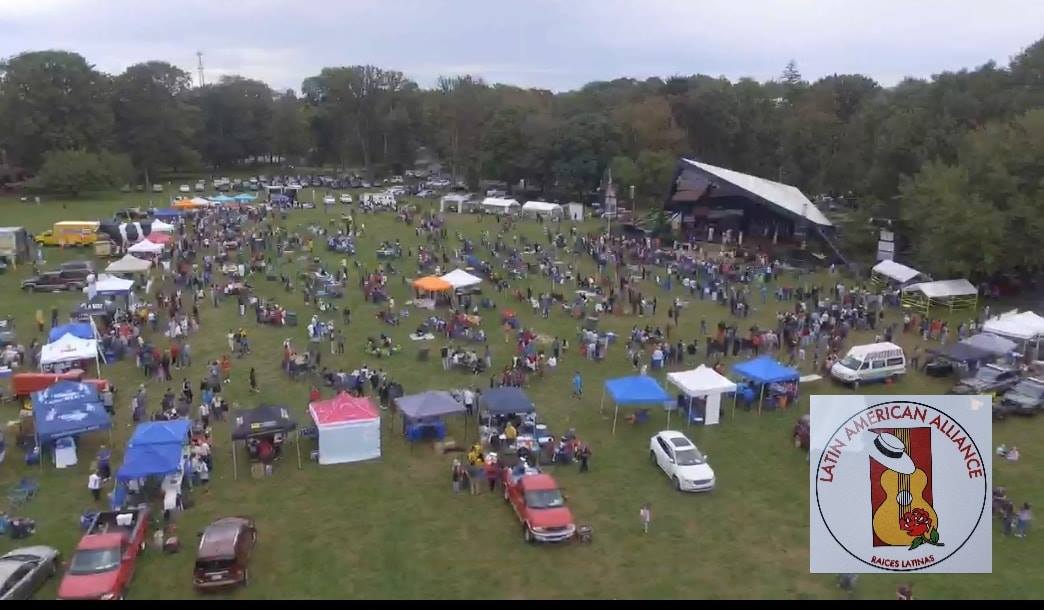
1022 326
896 271
68 348
146 247
108 284
944 289
129 264
499 205
459 278
162 227
200 201
541 208
703 381
455 200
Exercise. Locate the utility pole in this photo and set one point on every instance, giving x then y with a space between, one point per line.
199 67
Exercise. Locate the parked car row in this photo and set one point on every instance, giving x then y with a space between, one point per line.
103 563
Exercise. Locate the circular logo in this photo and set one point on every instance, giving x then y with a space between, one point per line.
901 486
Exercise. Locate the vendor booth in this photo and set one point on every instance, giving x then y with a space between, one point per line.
158 227
109 285
1026 328
771 379
158 237
950 294
460 279
80 330
542 209
508 404
129 264
69 352
496 205
145 247
64 411
892 273
156 449
994 344
349 429
422 414
703 387
457 201
430 288
264 430
167 213
960 357
635 391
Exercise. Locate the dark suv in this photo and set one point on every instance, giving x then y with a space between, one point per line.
989 379
1026 398
54 281
223 557
77 269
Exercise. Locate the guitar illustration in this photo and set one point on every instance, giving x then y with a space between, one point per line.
900 489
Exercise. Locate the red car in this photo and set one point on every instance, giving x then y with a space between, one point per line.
539 505
103 564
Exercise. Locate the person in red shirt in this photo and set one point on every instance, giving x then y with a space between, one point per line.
314 395
174 352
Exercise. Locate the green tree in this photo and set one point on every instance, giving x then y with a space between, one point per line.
290 131
154 122
52 100
72 172
582 150
236 120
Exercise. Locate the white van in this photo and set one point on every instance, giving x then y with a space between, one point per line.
873 362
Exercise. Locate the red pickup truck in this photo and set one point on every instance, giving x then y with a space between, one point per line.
539 505
103 564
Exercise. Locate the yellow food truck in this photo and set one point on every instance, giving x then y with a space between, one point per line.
70 233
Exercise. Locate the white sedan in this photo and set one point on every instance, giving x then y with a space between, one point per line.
679 458
346 198
329 200
184 188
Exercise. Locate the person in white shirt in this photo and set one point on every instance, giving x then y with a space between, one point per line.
94 483
469 400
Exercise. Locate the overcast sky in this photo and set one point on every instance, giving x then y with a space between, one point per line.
552 44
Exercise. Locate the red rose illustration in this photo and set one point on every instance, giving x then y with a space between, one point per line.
917 523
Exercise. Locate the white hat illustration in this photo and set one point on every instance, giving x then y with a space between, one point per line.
888 451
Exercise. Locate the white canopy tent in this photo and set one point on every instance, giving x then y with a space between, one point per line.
951 294
500 206
455 200
162 227
1022 326
576 211
110 284
69 348
200 201
459 278
349 429
703 381
129 264
145 247
542 208
895 271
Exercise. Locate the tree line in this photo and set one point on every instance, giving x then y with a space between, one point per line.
954 161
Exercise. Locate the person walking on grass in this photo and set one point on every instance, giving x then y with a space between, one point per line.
578 385
1025 516
94 482
645 514
253 380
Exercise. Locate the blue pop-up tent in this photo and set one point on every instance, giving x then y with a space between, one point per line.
506 400
149 460
633 391
222 199
68 408
82 330
765 370
244 197
173 432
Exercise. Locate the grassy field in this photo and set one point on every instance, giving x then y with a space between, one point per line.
392 528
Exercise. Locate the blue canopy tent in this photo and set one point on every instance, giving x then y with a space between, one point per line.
82 330
67 409
765 371
506 400
423 412
244 197
155 449
280 199
634 391
222 199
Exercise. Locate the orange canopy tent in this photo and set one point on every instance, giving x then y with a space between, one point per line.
432 284
186 204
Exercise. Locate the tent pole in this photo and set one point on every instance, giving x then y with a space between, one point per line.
616 412
735 399
761 399
601 405
297 442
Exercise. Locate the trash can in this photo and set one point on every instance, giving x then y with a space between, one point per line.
291 318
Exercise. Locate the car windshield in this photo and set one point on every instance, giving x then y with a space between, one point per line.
689 457
544 498
94 561
851 362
